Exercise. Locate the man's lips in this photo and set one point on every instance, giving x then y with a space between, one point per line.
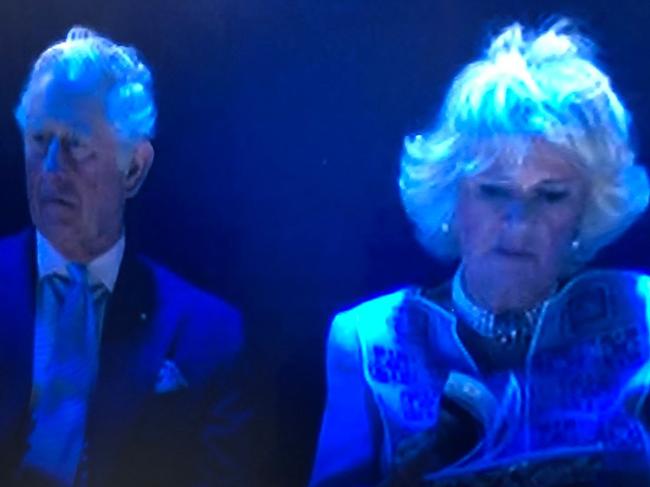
57 200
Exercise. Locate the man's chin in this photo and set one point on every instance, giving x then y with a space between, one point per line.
58 230
57 215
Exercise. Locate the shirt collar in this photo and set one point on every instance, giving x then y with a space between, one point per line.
481 319
102 269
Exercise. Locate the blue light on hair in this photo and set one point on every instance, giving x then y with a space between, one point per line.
89 64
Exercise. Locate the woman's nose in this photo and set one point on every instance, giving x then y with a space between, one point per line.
518 211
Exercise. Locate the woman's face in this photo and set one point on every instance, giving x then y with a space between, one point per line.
515 223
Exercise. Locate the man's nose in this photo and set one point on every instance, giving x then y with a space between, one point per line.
52 158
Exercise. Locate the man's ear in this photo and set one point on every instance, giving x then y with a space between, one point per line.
138 168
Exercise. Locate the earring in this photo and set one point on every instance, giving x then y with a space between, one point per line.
444 227
575 245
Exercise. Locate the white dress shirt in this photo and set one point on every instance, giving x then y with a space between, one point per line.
52 434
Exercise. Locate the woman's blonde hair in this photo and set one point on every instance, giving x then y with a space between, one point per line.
529 86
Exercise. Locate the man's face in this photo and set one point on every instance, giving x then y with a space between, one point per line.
75 186
515 224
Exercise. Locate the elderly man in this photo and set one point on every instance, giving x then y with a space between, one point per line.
113 371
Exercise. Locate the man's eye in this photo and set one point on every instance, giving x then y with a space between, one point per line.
39 138
77 147
493 191
74 143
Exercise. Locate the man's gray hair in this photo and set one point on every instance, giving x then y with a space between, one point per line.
87 63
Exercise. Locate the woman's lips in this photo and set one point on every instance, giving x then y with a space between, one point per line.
515 253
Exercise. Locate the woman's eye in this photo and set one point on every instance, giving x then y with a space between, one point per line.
493 191
553 196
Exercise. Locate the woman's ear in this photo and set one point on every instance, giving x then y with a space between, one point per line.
136 173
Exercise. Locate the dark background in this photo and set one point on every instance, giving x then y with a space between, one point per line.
280 128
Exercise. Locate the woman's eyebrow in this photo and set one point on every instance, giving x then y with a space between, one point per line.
557 181
493 179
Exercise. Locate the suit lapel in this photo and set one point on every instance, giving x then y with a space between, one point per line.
133 347
17 304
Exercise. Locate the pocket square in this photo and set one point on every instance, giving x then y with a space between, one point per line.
170 378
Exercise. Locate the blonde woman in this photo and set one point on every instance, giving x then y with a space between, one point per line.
523 368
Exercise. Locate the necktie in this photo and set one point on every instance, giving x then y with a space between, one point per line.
61 405
75 347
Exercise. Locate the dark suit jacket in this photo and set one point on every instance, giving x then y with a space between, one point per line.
192 436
